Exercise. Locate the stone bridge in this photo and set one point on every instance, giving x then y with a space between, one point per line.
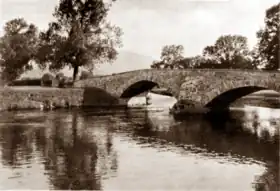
208 87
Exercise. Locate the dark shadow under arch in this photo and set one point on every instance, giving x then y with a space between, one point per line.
225 99
98 97
138 88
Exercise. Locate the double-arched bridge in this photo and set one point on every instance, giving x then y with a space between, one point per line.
209 87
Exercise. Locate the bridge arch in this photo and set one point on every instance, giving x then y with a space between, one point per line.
138 88
224 99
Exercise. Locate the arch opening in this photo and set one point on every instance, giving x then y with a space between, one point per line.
138 88
225 99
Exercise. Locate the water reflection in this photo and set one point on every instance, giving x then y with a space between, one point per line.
113 149
69 159
16 149
65 146
235 137
239 139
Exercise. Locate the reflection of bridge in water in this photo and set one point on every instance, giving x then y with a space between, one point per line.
217 135
237 139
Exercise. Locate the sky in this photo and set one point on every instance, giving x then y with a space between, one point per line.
148 25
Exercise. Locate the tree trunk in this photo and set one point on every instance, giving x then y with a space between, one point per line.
75 72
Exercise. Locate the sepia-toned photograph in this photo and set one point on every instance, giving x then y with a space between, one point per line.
140 95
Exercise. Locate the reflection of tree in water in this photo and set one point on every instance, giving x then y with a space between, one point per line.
71 153
264 129
103 131
264 135
70 164
110 150
269 181
16 144
221 135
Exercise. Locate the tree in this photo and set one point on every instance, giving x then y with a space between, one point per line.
18 47
268 39
257 60
59 76
229 51
157 64
190 62
80 36
47 79
170 54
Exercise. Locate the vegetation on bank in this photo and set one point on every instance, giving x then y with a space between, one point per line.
40 98
26 82
80 36
231 50
50 80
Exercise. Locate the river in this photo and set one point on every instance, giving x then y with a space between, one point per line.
98 149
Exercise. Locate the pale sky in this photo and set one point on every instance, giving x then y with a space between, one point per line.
150 24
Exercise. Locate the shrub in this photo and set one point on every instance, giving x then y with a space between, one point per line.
47 80
61 82
68 82
59 76
26 82
61 79
65 82
25 78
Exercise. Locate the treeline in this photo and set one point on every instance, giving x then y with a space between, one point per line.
231 51
47 80
79 37
51 80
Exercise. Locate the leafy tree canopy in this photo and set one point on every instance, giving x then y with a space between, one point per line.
170 54
80 36
268 39
18 47
229 51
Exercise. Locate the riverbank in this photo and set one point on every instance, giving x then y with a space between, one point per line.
22 98
19 98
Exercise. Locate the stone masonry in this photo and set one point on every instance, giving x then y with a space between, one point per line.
198 85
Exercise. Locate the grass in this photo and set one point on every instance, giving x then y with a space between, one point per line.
25 97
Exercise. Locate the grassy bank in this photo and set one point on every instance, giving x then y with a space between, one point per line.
17 98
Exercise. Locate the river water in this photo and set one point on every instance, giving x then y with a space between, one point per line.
98 149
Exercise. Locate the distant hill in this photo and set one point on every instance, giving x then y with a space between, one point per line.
126 61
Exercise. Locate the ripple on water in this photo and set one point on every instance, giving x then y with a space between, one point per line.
172 167
118 150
